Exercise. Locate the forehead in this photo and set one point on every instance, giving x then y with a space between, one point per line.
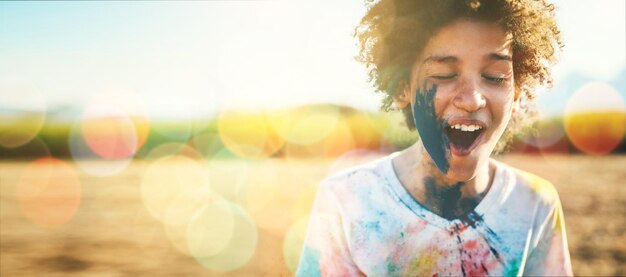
469 39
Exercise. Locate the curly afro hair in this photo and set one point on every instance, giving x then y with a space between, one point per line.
393 33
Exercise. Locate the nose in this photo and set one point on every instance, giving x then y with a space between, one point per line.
469 98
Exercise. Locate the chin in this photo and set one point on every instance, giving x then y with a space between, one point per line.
465 168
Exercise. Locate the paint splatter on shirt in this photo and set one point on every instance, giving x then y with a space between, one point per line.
364 222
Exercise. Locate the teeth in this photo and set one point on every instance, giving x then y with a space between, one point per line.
467 128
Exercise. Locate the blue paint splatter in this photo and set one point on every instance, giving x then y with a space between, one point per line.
431 129
476 221
374 227
309 262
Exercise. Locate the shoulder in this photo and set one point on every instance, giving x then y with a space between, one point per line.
360 183
367 174
539 190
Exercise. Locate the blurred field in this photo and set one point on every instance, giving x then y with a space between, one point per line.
113 233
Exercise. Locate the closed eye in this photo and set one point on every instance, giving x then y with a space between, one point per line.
494 79
444 77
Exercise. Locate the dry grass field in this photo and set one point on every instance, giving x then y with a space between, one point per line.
114 233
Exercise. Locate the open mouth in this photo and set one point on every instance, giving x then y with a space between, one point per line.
463 137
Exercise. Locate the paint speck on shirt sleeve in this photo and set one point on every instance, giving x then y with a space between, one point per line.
309 262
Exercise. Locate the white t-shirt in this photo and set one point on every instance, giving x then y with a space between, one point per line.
364 222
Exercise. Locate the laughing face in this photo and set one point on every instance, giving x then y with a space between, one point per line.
462 93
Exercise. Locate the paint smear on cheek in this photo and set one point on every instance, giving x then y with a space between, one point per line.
430 128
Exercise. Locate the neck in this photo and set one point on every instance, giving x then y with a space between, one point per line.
430 187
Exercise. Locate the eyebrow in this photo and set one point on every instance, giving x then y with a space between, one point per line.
500 57
454 59
441 59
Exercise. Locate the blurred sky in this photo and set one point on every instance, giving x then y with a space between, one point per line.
195 58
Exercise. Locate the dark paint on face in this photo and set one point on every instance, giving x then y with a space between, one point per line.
470 63
430 128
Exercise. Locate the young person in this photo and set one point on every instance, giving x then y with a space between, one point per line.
461 72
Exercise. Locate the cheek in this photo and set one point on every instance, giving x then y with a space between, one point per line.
443 98
503 103
501 108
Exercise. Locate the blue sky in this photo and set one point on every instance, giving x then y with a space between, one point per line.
196 58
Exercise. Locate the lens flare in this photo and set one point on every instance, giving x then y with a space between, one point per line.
23 114
293 242
595 118
248 135
49 192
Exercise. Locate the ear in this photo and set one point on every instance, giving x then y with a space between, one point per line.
403 97
516 100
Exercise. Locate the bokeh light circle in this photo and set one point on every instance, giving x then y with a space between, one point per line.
166 179
183 207
366 135
545 133
90 162
304 202
248 135
293 242
299 175
172 149
241 246
35 148
207 144
352 158
24 111
210 230
338 140
229 177
204 229
110 135
305 125
595 118
264 198
115 124
49 192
